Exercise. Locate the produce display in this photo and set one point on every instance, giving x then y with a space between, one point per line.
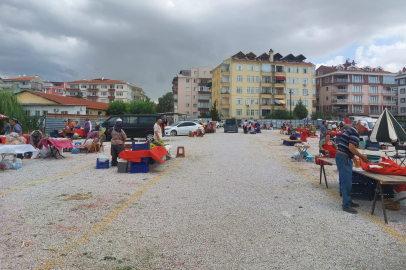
15 139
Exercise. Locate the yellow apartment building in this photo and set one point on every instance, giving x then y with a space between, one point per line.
250 86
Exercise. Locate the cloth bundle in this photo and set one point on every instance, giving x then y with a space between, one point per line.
15 139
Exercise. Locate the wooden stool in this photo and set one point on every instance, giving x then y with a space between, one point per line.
178 154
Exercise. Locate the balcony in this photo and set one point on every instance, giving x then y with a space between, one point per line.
225 93
393 111
225 106
389 92
340 101
374 111
357 111
266 105
374 102
374 92
93 89
341 80
266 94
24 86
112 90
338 91
358 93
72 89
91 96
340 111
202 84
6 84
374 81
316 103
389 102
112 97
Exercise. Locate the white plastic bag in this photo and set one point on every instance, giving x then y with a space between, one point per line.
399 195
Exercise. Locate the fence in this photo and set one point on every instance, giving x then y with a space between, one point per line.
277 123
58 121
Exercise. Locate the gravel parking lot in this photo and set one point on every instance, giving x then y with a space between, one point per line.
235 202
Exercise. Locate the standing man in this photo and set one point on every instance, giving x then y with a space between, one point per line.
157 130
347 148
69 129
323 130
87 127
6 128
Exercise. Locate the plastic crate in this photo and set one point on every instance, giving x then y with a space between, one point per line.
139 167
78 143
102 165
140 146
372 144
151 161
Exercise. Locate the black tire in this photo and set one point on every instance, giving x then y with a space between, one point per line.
174 133
149 136
225 131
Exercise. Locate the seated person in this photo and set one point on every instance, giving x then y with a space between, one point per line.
89 139
328 145
258 129
200 132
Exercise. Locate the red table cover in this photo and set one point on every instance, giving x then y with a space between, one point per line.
80 132
304 131
59 144
335 133
135 156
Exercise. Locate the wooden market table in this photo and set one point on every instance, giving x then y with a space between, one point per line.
382 179
55 146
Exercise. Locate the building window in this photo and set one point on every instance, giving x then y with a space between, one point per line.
402 100
239 112
248 89
305 71
326 98
320 72
103 100
120 86
256 90
72 94
204 72
195 80
326 79
103 93
187 89
64 112
304 81
256 67
195 89
239 101
194 105
403 109
326 108
187 80
187 97
305 92
257 79
357 99
37 112
239 78
83 86
373 90
305 102
248 77
256 112
266 68
239 90
120 94
195 97
239 67
103 86
374 100
187 113
256 101
195 113
248 112
187 105
402 91
373 79
252 112
326 88
402 81
357 89
195 72
44 112
248 67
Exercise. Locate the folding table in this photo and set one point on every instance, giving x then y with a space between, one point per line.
55 146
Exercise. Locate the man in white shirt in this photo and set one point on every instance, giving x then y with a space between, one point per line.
157 130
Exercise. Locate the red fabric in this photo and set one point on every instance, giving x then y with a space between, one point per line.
346 120
303 137
318 161
392 169
59 144
334 133
304 131
80 132
330 148
135 156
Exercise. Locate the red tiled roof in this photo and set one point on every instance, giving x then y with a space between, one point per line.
72 101
19 79
99 81
327 70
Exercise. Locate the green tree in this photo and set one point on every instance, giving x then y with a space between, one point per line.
165 103
278 114
9 106
79 95
320 115
117 107
141 107
300 110
204 115
214 113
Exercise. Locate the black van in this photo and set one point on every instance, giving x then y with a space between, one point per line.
134 125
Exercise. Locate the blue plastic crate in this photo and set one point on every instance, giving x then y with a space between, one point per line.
290 144
372 144
78 143
139 167
140 146
102 165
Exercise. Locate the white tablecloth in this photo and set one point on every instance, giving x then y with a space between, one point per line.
16 149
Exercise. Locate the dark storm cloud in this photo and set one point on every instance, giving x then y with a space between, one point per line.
148 42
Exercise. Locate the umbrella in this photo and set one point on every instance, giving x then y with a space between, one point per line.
3 116
387 129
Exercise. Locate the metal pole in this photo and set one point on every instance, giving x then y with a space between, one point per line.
290 101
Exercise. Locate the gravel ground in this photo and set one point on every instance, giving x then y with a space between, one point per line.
235 202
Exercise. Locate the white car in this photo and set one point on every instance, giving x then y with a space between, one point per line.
181 128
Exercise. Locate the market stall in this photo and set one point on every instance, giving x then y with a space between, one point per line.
55 145
15 149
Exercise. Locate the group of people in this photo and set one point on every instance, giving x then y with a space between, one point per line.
69 129
251 127
17 127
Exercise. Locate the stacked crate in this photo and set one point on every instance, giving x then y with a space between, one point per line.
143 166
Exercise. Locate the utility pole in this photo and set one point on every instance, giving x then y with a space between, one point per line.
290 102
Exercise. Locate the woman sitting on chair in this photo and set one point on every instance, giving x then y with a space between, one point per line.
328 145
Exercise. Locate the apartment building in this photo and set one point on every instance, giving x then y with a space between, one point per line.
191 95
101 90
55 88
400 88
352 90
138 93
35 83
250 86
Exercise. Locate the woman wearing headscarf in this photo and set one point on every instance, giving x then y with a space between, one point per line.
118 138
17 127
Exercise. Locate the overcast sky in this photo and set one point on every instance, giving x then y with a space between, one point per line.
147 43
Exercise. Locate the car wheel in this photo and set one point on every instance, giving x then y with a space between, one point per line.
173 133
149 136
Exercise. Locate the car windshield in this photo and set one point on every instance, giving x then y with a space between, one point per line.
175 124
371 125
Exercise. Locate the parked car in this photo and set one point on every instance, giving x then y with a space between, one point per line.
221 123
231 125
217 123
134 125
181 128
